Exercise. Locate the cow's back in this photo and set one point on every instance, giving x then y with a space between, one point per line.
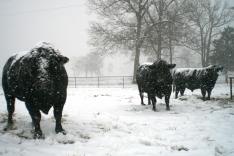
150 82
145 78
17 77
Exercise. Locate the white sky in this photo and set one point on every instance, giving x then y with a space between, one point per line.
24 23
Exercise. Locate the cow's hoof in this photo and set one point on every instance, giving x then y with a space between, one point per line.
168 109
60 131
154 109
143 104
38 135
10 126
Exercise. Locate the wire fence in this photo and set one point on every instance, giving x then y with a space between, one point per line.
100 81
108 81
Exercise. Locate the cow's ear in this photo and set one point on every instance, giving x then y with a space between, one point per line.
219 69
171 66
65 59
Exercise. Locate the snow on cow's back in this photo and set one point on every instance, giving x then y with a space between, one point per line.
46 45
42 51
187 72
145 65
28 54
19 55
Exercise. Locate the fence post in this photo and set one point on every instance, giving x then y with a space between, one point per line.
75 82
231 87
123 81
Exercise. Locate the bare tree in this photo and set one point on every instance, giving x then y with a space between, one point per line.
164 19
206 18
156 21
121 26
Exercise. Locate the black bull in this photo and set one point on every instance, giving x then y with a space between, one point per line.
155 80
40 80
196 78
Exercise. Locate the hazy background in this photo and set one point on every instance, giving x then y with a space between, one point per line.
24 23
64 23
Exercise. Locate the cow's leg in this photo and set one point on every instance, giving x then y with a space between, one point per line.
10 108
203 91
141 95
167 98
36 118
209 93
182 91
153 98
176 92
142 98
149 100
58 116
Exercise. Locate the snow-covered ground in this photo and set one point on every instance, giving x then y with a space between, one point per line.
111 122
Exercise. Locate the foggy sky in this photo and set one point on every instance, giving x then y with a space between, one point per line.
24 23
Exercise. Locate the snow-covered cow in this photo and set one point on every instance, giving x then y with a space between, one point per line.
196 78
38 78
156 81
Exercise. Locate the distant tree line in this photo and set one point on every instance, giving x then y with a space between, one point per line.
223 52
88 65
156 27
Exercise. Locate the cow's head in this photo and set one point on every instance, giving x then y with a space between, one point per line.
162 65
214 70
218 68
47 64
162 69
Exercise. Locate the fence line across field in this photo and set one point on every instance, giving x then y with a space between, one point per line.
119 81
100 81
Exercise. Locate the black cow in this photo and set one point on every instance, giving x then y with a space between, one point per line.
155 80
38 78
196 78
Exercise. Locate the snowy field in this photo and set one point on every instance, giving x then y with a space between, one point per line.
111 122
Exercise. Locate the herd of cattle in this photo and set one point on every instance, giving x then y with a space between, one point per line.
39 78
158 78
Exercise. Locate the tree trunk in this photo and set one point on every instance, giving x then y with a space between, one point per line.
203 60
170 42
154 48
171 53
137 47
136 63
208 46
160 29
